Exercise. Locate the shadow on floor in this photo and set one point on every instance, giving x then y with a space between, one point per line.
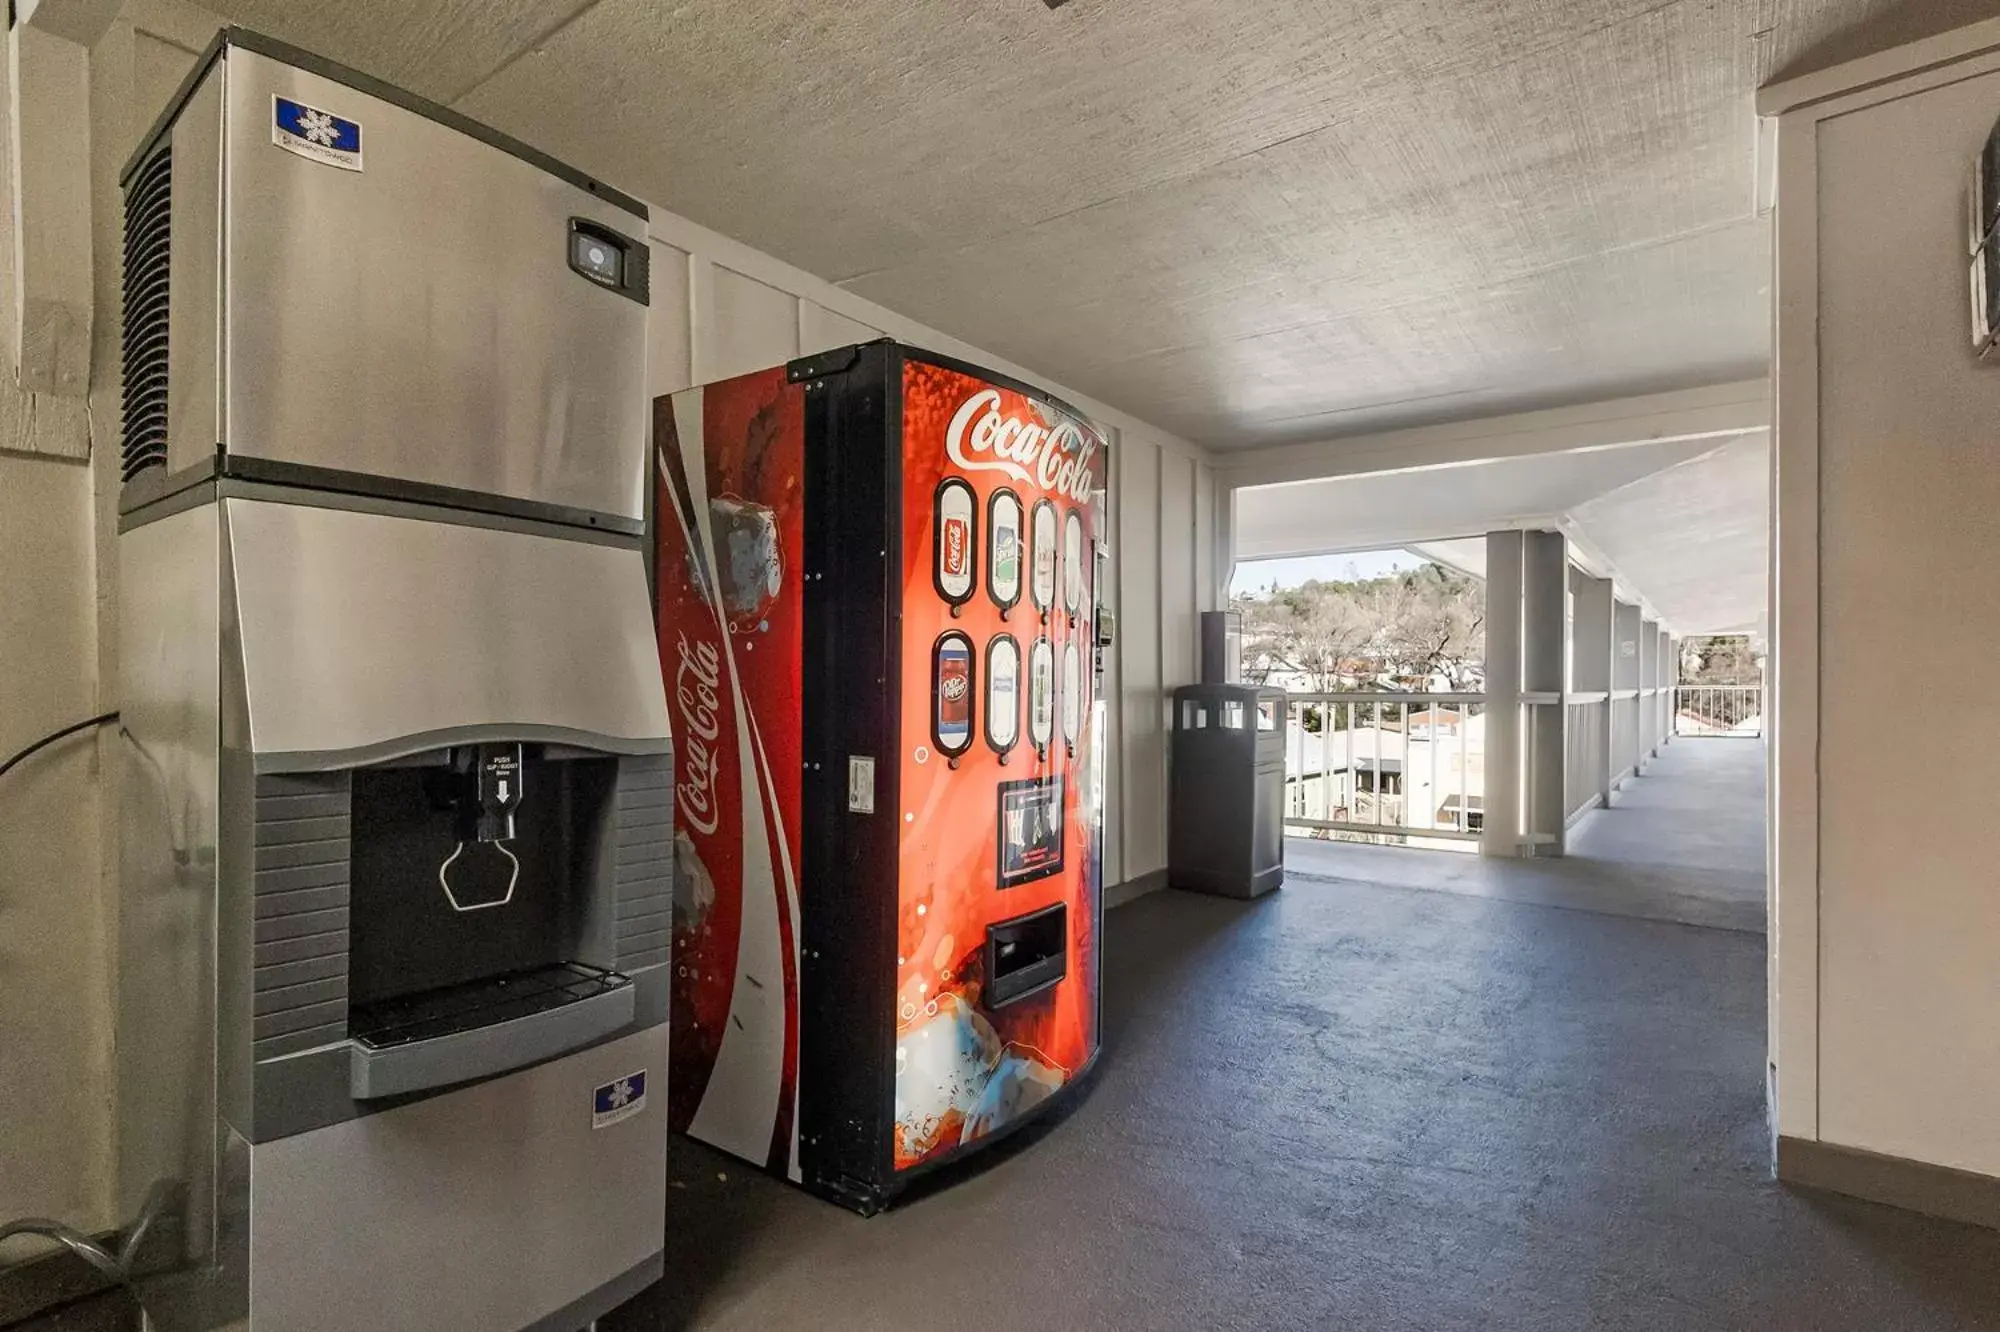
1349 1105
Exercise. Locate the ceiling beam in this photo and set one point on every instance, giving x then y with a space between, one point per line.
1789 93
79 21
1718 411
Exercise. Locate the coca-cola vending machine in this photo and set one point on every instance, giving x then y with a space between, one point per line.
877 572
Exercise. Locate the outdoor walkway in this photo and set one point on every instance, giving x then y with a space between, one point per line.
1683 843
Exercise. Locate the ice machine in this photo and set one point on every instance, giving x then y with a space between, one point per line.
396 818
877 590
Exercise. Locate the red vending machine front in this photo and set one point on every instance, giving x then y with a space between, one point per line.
877 574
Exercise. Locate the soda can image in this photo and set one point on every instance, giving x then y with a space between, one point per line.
1003 562
953 569
951 694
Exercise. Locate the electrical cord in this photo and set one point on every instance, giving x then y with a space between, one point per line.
54 736
78 1243
116 1266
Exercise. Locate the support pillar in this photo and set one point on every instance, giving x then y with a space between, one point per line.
1544 695
1501 799
1670 676
1626 701
1649 692
1594 648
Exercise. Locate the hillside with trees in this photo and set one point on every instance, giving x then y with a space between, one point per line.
1415 629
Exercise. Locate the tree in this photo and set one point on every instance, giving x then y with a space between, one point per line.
1719 659
1406 628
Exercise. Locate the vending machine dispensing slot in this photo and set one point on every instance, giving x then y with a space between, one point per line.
1026 955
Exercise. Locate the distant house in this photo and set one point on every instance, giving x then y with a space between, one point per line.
1423 770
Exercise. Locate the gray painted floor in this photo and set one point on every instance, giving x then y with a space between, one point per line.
1684 842
1353 1105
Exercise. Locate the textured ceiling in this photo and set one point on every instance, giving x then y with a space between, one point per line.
1249 223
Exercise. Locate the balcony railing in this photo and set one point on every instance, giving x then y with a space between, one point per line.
1405 767
1719 710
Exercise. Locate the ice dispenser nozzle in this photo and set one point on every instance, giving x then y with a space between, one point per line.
482 789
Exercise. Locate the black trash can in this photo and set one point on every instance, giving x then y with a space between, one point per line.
1226 829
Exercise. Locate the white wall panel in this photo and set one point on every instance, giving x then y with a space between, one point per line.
1179 581
754 325
1207 592
669 325
821 329
1141 709
1909 922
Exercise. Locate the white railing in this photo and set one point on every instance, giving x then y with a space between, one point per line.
1719 710
1403 766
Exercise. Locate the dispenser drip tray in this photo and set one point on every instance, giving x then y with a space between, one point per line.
482 1027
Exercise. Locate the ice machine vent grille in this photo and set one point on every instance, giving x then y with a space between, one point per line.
148 215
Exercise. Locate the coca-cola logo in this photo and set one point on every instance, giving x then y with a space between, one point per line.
1056 458
954 545
953 688
694 694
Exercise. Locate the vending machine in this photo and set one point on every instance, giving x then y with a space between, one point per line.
877 572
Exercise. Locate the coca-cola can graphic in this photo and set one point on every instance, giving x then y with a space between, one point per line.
953 572
952 694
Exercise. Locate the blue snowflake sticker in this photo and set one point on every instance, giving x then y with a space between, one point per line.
317 135
618 1100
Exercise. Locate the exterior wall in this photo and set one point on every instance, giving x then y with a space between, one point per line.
1886 922
718 308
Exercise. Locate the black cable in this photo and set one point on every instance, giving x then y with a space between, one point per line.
54 736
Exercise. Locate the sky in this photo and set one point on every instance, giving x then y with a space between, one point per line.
1256 575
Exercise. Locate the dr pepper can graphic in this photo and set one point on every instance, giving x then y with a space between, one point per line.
953 693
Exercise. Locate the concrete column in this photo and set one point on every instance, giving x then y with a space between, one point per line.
1593 649
1625 680
1545 715
1649 679
1501 800
1669 679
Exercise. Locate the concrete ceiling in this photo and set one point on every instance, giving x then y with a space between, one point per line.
1249 223
1693 537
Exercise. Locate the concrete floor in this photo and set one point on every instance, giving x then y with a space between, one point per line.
1684 842
1352 1105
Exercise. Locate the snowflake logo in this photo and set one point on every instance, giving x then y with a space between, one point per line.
318 127
621 1094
